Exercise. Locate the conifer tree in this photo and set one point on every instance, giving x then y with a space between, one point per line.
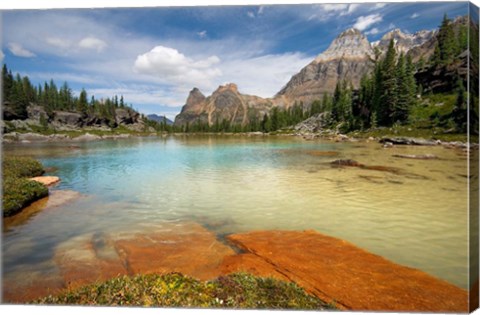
388 87
403 93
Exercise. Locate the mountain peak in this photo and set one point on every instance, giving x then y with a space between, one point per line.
195 97
350 44
350 32
227 87
404 41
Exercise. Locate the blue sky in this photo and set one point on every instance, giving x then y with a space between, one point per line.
155 56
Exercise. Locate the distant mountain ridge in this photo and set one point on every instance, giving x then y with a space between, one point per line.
349 57
160 119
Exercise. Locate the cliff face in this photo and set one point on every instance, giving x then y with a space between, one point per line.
348 57
226 103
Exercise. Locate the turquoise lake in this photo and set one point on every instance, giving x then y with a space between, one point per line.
230 184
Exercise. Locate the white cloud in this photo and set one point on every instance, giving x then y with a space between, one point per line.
1 55
58 42
334 7
373 31
353 7
174 68
264 75
414 15
19 51
202 34
260 10
364 22
379 5
92 43
251 14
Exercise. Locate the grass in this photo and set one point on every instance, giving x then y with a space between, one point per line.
238 290
18 191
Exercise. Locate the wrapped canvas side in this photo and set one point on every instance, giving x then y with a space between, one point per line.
473 88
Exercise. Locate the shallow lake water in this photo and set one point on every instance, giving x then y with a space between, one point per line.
415 215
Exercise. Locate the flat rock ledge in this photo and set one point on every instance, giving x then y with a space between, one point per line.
46 180
331 269
350 277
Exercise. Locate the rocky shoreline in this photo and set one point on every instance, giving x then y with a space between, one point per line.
17 137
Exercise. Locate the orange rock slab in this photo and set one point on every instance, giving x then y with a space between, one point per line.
252 264
189 249
46 180
351 278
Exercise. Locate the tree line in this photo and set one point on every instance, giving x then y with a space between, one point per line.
19 92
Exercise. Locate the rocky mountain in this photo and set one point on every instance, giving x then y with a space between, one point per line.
225 104
160 119
347 57
404 42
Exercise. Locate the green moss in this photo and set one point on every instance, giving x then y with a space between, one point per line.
17 166
18 191
175 290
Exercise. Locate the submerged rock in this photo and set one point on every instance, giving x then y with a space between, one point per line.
417 156
353 163
347 162
55 199
322 153
188 248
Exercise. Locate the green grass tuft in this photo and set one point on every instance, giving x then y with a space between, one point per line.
239 290
18 191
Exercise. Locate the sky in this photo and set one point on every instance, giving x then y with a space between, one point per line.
154 56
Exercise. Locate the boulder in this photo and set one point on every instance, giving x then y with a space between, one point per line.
11 112
407 141
36 113
125 116
70 119
312 124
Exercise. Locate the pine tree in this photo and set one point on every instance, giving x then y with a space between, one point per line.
7 78
388 98
411 82
400 112
82 102
447 44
